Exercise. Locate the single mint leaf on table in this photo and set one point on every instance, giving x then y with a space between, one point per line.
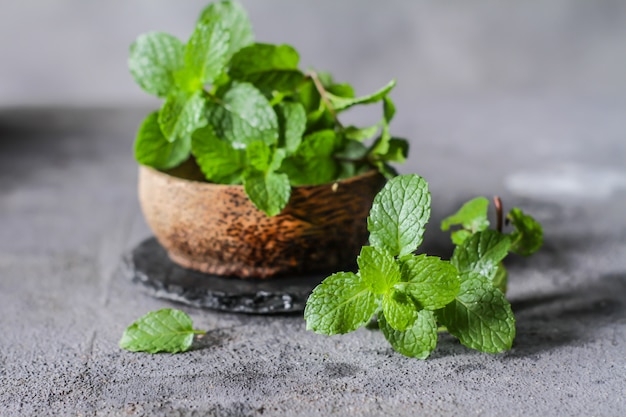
399 214
268 191
480 316
181 115
528 235
342 303
343 103
155 58
472 217
165 330
206 54
418 341
234 19
430 281
313 161
378 269
481 253
218 160
243 116
268 67
399 310
154 150
292 123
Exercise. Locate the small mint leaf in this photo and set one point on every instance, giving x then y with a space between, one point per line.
269 192
378 269
181 115
292 123
165 330
352 151
234 19
500 280
154 59
399 214
244 116
361 134
268 67
418 341
343 103
259 156
431 282
481 253
206 54
313 161
389 109
154 150
397 150
341 90
528 235
342 303
480 316
217 159
472 216
459 236
398 309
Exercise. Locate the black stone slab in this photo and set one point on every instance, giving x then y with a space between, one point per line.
151 269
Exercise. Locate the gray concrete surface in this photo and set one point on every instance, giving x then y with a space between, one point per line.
68 211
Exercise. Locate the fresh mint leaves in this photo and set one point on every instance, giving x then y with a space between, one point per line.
412 295
223 93
165 330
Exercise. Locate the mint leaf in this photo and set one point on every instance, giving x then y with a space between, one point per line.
244 116
268 67
206 54
269 192
352 150
259 156
389 109
343 103
165 330
481 253
431 282
398 215
472 216
234 19
342 303
313 162
292 123
378 269
500 280
154 150
459 236
418 341
397 150
361 134
154 59
399 310
217 159
181 115
341 90
480 316
528 236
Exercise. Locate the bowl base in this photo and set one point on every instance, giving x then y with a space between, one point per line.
149 266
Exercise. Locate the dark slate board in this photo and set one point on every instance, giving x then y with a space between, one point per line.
151 269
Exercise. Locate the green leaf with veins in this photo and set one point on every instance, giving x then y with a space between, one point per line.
378 269
234 19
268 67
154 59
342 303
480 316
165 330
154 150
217 159
181 115
313 161
472 217
268 191
399 310
291 124
259 156
243 116
206 55
417 341
343 103
528 235
481 253
399 214
428 280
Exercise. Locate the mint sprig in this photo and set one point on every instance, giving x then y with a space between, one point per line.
414 295
223 92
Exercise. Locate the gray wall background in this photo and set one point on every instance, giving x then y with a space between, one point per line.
73 52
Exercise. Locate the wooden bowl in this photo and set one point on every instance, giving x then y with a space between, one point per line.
216 229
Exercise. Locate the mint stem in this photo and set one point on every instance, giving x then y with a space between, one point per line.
499 216
320 89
